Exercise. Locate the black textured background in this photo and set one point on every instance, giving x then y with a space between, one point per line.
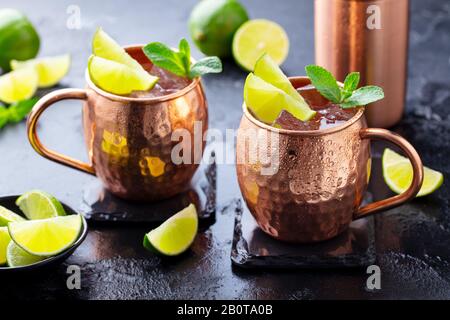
413 241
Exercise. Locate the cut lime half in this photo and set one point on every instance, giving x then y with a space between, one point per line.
7 216
18 85
46 237
5 239
50 69
398 174
38 204
256 37
17 257
118 78
267 101
175 235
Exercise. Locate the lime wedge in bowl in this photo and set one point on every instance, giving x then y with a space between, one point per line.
46 237
118 78
256 37
175 235
398 174
17 257
267 101
50 69
18 85
7 216
5 239
38 204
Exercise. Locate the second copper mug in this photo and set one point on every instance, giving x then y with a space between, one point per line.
316 189
129 140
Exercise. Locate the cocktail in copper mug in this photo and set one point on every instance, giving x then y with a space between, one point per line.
320 179
129 140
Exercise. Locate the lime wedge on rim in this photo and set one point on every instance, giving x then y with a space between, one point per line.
107 48
17 257
5 239
175 235
38 204
267 101
398 174
50 69
7 216
255 37
118 78
46 237
18 85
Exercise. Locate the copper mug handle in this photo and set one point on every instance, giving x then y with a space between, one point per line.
38 109
408 149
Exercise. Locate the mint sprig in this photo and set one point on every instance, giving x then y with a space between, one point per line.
16 112
179 62
347 96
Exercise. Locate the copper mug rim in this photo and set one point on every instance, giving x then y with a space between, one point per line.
319 132
149 100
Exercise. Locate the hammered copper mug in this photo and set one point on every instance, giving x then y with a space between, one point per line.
318 184
129 140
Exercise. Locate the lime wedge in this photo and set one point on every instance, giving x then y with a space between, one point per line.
267 101
46 237
38 204
118 78
5 239
267 69
175 235
18 85
256 37
7 216
17 257
107 48
50 69
398 174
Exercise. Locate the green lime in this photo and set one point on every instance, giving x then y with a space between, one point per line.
398 174
18 85
175 235
256 37
50 69
46 237
107 48
38 204
118 78
267 101
18 38
269 71
7 216
17 257
5 239
213 23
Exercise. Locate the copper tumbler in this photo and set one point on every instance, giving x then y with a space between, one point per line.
130 140
318 183
369 36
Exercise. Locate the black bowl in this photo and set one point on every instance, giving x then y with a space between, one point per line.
9 203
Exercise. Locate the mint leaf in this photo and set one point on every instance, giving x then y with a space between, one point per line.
350 84
363 96
18 111
4 116
164 57
324 82
185 55
206 65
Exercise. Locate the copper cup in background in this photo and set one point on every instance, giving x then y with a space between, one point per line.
348 38
129 139
321 178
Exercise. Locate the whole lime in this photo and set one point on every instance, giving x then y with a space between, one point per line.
212 25
18 38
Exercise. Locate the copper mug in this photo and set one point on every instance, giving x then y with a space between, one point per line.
129 140
321 177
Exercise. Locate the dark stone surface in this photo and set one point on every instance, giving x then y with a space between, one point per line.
413 241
